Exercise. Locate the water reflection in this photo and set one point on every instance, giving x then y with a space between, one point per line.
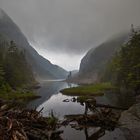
120 99
59 107
86 134
94 136
93 133
52 99
48 89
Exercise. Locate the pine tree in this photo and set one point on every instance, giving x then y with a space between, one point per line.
125 66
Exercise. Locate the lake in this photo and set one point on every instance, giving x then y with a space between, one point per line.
52 99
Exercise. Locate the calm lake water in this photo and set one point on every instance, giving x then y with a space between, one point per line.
52 99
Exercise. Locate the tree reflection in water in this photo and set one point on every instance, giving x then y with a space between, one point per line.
104 118
94 136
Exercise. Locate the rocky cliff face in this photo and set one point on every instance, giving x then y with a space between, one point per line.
94 62
42 68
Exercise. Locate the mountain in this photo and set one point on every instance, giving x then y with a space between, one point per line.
41 67
123 71
94 62
14 69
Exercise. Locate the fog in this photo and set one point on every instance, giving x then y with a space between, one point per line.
63 30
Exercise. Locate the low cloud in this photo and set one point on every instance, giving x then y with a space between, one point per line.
71 26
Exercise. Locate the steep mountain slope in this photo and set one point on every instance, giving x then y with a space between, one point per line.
42 68
94 62
124 69
14 69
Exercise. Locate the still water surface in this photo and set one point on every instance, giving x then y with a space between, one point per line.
52 99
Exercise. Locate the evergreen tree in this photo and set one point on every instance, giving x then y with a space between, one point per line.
125 66
17 70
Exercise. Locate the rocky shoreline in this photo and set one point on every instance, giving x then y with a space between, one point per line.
130 121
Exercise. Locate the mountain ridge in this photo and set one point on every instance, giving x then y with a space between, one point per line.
94 62
42 67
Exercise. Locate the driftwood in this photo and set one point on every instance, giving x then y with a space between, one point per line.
92 102
25 124
93 120
101 115
109 106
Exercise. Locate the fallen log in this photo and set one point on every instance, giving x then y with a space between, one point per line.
25 124
112 107
105 119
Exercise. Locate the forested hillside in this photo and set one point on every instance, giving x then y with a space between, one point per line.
15 72
41 67
94 62
124 69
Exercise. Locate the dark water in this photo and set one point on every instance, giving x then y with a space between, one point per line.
52 99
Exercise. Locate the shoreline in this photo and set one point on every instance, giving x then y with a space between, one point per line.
130 121
23 94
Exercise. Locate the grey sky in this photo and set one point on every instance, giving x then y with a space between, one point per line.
71 26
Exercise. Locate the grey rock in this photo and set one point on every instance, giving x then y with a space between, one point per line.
130 122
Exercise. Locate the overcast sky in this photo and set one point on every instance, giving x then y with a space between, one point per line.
64 30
